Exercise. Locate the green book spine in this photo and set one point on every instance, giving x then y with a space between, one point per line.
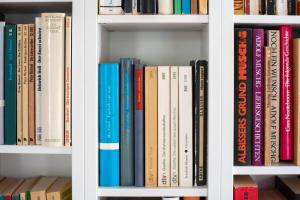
10 86
27 195
177 7
16 197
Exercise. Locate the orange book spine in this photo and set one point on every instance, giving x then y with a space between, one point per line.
194 7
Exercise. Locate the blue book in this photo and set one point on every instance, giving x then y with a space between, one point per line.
186 6
109 125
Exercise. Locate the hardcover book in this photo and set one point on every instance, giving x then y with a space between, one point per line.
289 187
296 107
2 70
165 7
244 188
177 7
239 6
203 7
19 85
186 7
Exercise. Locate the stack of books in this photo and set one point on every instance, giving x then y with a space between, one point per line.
157 115
164 7
35 81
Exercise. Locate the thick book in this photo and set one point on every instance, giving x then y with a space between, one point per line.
254 7
23 192
109 125
186 7
203 7
53 39
2 70
39 190
194 7
289 187
242 96
151 126
110 7
10 185
273 41
258 97
61 189
185 127
291 7
271 7
177 7
163 122
296 106
244 188
139 128
127 6
10 111
165 7
19 85
286 94
281 7
270 194
149 6
239 7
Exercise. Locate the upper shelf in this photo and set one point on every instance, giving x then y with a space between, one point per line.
15 149
266 20
153 22
280 169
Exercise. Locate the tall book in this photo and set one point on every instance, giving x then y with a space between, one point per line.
10 111
186 7
163 122
258 97
281 7
139 133
291 7
203 7
68 82
38 81
165 7
2 70
109 124
271 7
39 190
288 186
149 7
151 126
254 7
242 96
273 41
174 126
185 127
296 105
53 37
8 187
239 6
244 188
23 192
286 94
177 7
61 189
194 7
110 7
19 85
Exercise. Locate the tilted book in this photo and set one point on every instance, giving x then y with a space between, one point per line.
281 7
186 7
296 107
61 189
288 186
2 66
177 7
19 85
11 184
23 192
39 190
239 7
165 7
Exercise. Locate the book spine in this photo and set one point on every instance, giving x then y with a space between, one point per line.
139 125
127 6
274 42
10 110
291 7
177 7
110 3
270 8
163 121
109 124
186 7
68 82
239 7
262 7
281 7
19 85
135 7
165 7
185 127
151 126
38 81
247 7
111 10
194 7
243 193
254 7
174 126
203 7
148 7
31 84
2 80
286 96
53 34
296 107
242 96
127 139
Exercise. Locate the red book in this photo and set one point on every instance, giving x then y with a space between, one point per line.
244 188
286 95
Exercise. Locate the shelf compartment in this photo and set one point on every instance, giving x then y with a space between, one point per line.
15 149
153 22
266 20
152 192
280 169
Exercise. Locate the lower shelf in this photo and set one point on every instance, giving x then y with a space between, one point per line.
15 149
280 169
152 192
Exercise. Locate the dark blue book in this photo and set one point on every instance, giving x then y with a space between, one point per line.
186 6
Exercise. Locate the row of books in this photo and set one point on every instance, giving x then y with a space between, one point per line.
35 81
157 115
286 188
164 7
37 188
266 7
267 86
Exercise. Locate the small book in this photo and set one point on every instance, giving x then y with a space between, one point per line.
289 187
61 189
244 185
23 192
186 7
39 190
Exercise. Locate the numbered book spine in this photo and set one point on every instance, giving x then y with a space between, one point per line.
203 7
109 125
186 7
185 127
19 85
291 7
2 67
165 7
242 96
177 7
10 110
281 7
254 7
239 7
296 73
270 7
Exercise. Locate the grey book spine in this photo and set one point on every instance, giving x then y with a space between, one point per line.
2 25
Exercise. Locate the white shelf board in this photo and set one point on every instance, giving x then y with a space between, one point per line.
266 20
34 1
152 192
153 22
16 149
280 169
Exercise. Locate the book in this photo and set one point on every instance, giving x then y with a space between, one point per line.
126 121
291 7
262 7
286 94
19 85
31 84
203 7
53 34
242 96
244 188
254 7
174 126
109 125
23 192
239 6
148 7
296 102
177 7
271 7
61 189
2 71
68 82
39 190
139 134
8 187
136 7
191 198
186 7
151 126
288 186
10 111
127 6
258 97
273 41
110 7
185 127
163 126
270 194
194 7
247 7
165 7
281 7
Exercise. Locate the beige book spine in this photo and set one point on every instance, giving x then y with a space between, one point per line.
31 85
203 7
53 196
194 7
268 105
151 126
254 7
296 58
239 7
19 84
165 7
22 196
39 195
25 104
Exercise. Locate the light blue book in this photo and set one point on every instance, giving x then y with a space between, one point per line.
109 125
186 6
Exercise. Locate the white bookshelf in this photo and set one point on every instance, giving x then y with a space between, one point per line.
281 169
13 149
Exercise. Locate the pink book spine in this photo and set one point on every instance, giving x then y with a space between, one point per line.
286 96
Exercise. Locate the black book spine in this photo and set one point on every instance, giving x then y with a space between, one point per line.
291 7
262 9
139 6
271 8
2 17
148 6
242 96
127 6
285 190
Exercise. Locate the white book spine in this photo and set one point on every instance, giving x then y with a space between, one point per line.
2 26
110 3
281 7
185 127
110 10
165 7
163 127
134 7
174 125
53 54
38 81
19 85
254 7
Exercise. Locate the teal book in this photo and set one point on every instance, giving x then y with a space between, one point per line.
10 85
177 7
